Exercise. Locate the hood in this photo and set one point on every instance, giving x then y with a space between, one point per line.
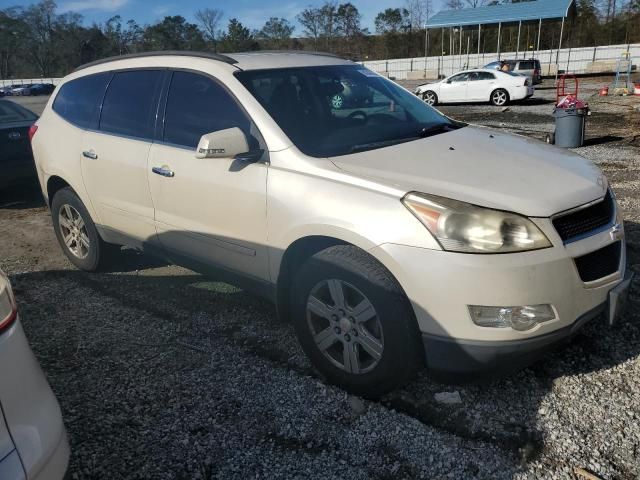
484 167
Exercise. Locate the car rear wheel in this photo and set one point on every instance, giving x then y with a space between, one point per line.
354 321
430 98
77 234
499 97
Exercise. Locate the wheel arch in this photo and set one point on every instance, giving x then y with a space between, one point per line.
55 183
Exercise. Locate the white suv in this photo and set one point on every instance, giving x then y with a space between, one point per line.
391 235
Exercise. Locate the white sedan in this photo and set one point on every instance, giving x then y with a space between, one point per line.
481 85
33 441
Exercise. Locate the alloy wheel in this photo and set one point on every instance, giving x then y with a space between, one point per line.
429 98
499 97
345 326
337 102
74 231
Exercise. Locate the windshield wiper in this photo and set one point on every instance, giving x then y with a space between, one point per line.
440 128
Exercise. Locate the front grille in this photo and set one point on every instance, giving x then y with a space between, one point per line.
599 264
586 220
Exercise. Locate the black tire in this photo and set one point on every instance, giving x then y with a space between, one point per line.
402 352
99 253
497 95
428 95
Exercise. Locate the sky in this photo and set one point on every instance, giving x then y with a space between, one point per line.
252 13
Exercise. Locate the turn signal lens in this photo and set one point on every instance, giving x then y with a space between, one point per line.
8 309
518 318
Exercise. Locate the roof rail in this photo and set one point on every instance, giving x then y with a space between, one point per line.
178 53
291 52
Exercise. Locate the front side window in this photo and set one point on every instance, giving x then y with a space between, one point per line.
336 110
130 103
197 105
78 101
462 77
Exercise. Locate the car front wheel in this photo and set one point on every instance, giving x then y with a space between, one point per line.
430 98
77 233
354 321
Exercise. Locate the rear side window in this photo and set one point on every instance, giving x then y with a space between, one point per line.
527 65
130 104
486 76
78 101
197 105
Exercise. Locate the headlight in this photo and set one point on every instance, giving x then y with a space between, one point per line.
462 227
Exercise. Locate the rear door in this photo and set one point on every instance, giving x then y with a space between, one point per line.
480 86
114 163
454 89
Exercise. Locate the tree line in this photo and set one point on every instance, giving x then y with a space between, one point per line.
37 40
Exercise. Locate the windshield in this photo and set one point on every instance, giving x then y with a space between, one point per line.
336 110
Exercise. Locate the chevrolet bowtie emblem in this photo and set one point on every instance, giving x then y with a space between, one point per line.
616 232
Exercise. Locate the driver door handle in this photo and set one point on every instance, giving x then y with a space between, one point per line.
165 172
90 154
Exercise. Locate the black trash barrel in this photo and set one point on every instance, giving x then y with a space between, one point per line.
570 123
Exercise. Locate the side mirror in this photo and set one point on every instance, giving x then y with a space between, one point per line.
223 144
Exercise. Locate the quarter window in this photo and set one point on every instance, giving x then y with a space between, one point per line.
78 101
130 103
197 105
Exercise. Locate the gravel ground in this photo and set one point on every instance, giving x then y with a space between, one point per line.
164 374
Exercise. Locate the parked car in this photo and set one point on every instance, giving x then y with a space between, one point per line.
21 90
42 88
349 94
33 441
6 90
496 87
529 68
16 159
391 236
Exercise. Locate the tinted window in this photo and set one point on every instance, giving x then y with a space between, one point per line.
130 103
78 101
459 78
197 105
526 65
12 112
486 76
341 109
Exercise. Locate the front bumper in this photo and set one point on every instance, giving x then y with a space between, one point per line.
464 360
441 285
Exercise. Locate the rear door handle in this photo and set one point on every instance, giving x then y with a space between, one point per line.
90 154
165 172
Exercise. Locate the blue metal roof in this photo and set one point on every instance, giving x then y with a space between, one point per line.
509 12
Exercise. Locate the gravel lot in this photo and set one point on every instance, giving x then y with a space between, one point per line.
164 374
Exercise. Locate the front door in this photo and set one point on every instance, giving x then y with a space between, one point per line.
212 210
114 157
454 89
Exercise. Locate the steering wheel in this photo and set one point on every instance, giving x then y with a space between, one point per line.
359 113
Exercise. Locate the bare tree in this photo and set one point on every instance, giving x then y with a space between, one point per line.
209 19
454 4
419 12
